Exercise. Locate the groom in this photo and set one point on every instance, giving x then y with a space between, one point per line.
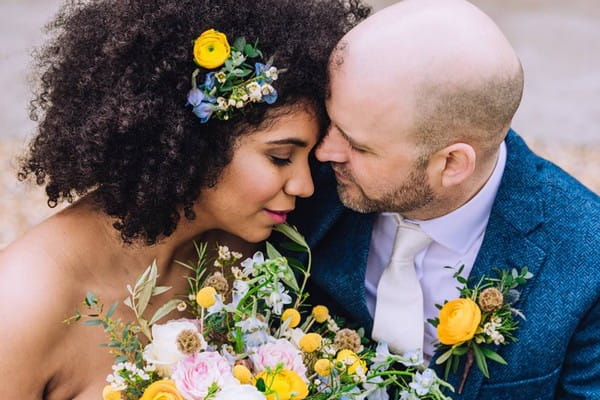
421 99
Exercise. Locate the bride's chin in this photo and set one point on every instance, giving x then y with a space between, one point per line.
258 235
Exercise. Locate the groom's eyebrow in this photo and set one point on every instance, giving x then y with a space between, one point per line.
293 141
352 142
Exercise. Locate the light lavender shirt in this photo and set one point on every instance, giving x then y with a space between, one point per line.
457 238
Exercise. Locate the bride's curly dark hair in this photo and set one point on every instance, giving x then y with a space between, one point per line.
111 102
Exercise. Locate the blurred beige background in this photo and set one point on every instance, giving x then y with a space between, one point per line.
558 42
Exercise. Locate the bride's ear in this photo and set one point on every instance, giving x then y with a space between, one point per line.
453 164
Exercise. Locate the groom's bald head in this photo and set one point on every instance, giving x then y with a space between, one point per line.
438 69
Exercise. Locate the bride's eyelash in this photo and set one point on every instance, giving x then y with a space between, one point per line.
280 161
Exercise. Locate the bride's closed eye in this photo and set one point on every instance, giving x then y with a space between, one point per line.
280 161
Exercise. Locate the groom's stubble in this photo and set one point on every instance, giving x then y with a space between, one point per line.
412 194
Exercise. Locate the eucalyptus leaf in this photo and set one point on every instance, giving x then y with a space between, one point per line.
240 43
288 276
112 309
480 360
459 351
292 234
146 288
492 355
127 302
272 252
160 290
92 322
164 310
444 357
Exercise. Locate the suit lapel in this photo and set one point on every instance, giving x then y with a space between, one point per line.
516 213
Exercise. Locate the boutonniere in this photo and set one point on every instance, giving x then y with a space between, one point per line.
482 318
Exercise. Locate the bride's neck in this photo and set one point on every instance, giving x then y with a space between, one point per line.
97 227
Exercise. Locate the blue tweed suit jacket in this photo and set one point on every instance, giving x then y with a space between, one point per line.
542 218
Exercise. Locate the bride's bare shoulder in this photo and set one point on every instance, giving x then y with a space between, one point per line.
37 291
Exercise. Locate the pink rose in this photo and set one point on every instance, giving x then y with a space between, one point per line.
194 374
281 351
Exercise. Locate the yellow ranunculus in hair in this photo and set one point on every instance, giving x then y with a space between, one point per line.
320 313
352 361
293 315
108 393
310 342
211 49
284 385
459 320
162 390
206 297
323 367
242 374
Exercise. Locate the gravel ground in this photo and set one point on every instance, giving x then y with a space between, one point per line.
23 205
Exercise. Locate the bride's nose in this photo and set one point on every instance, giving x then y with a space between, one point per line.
300 183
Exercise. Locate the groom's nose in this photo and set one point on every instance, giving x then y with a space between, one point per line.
333 147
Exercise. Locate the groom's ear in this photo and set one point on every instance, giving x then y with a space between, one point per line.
454 164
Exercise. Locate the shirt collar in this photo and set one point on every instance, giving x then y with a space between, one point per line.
459 229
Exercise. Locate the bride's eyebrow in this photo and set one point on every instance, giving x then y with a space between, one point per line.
292 141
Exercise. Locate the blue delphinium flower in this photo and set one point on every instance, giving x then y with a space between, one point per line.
209 81
195 97
271 97
204 110
423 381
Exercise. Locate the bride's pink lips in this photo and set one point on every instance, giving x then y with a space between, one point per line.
278 216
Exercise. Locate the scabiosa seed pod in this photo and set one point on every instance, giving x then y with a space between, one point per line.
347 339
190 342
218 281
490 299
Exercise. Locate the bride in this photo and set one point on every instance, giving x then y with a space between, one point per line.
146 173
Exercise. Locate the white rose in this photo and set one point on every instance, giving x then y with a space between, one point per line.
237 391
163 352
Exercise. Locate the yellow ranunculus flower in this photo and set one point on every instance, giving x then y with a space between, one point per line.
352 361
310 342
323 367
206 297
108 393
242 374
320 313
211 49
459 320
162 390
293 315
285 385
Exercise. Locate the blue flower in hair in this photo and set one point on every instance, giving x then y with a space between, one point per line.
204 111
195 97
209 81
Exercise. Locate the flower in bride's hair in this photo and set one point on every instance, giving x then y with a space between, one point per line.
165 350
211 49
459 319
195 374
162 390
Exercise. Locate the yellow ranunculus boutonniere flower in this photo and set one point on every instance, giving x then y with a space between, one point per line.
211 49
459 320
162 390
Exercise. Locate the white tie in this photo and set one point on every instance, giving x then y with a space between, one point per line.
399 306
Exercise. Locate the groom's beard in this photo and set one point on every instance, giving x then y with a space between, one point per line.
412 194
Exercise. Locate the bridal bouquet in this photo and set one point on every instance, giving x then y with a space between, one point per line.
253 339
